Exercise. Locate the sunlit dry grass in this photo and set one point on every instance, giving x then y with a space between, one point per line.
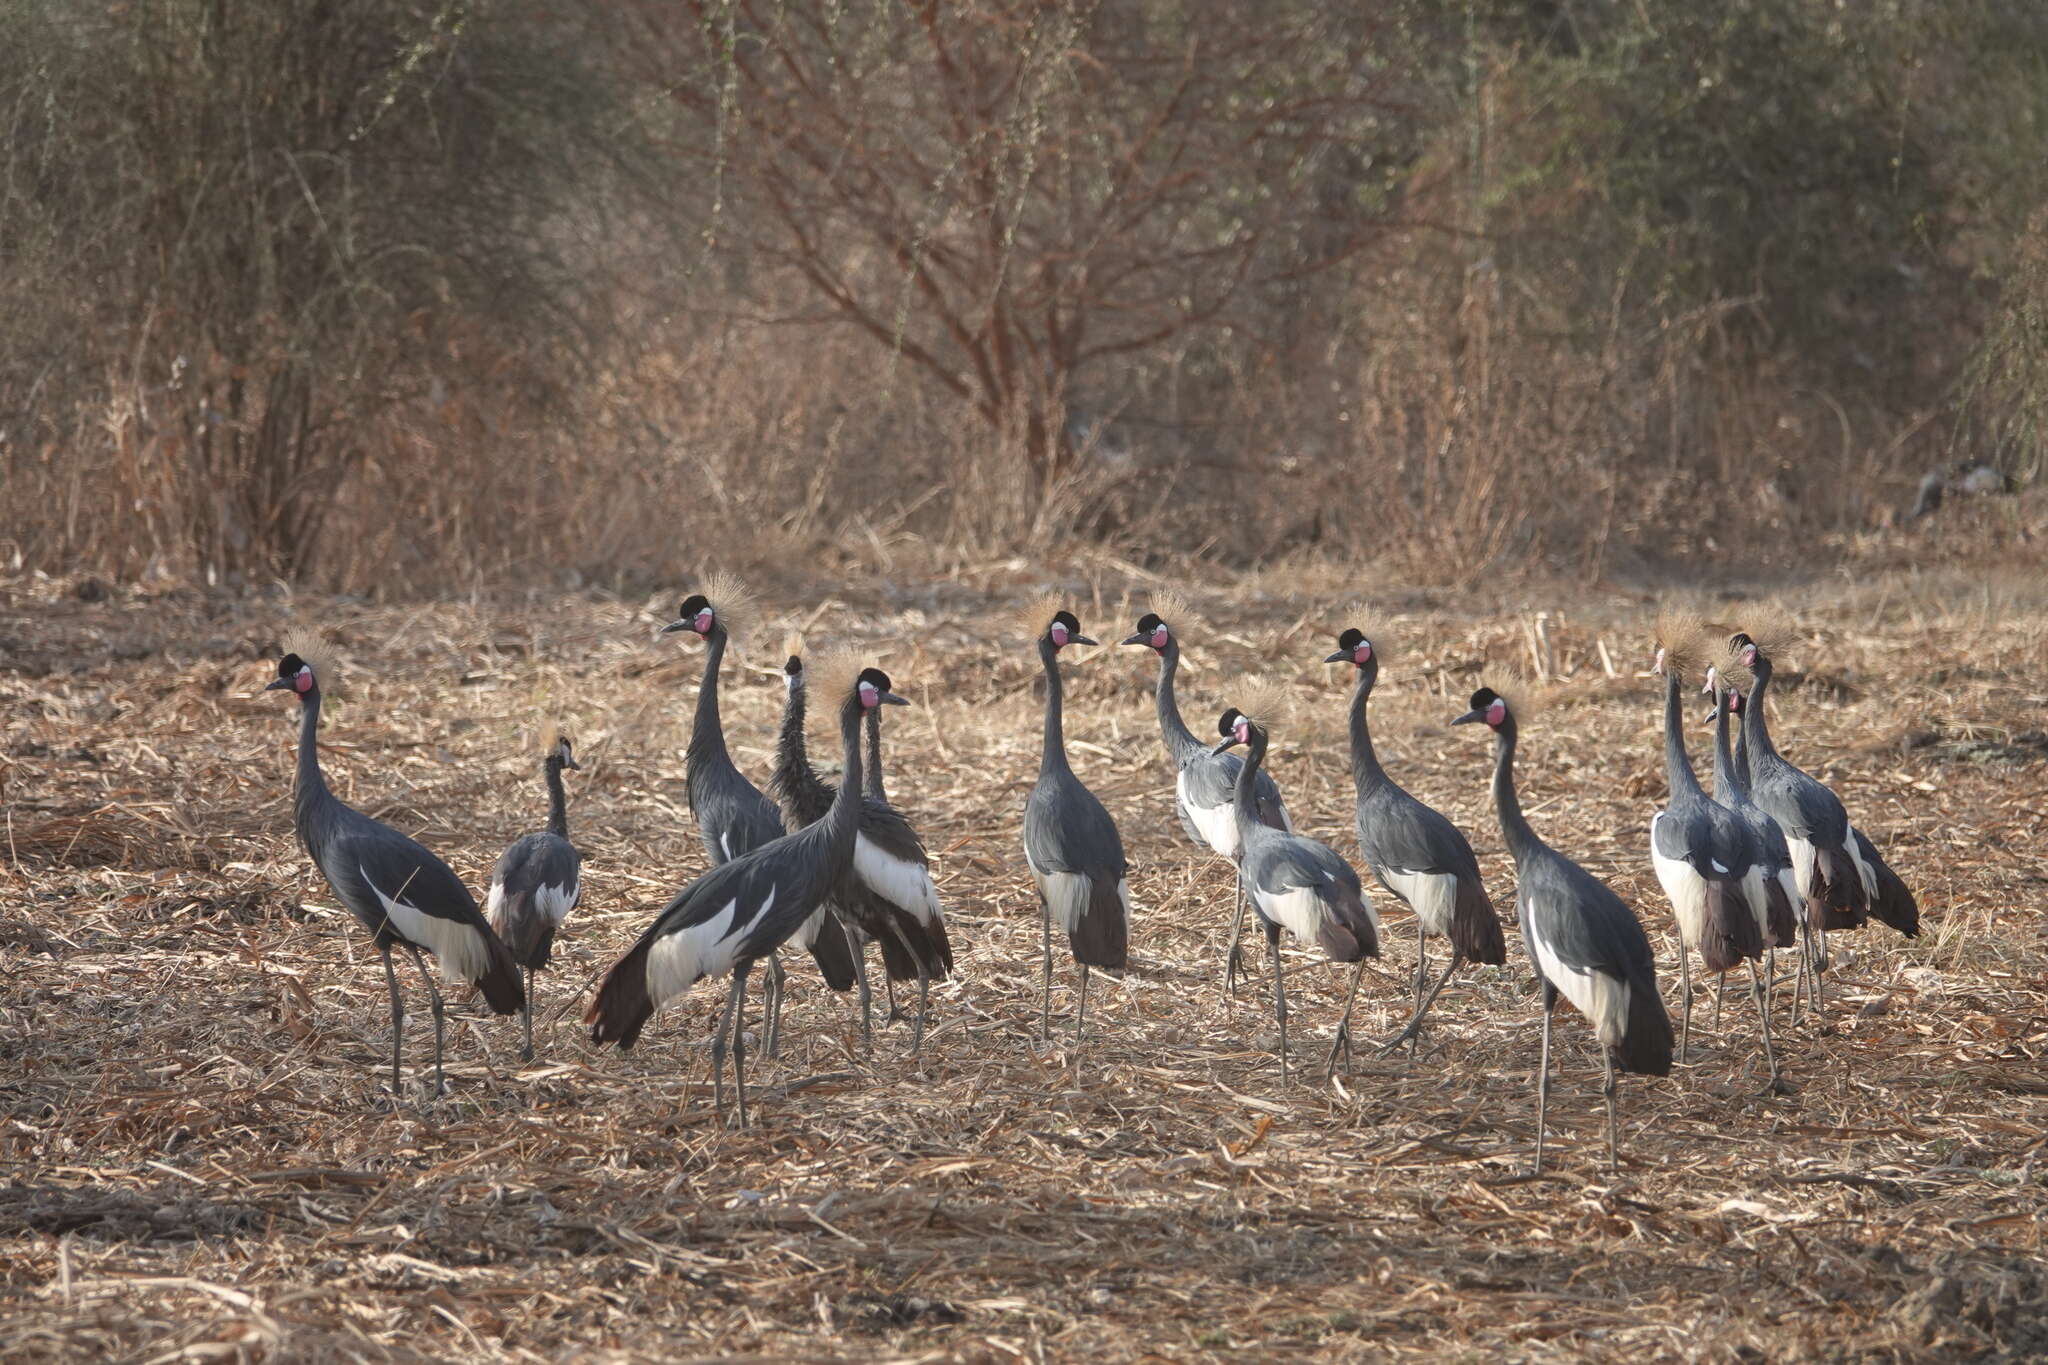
201 1163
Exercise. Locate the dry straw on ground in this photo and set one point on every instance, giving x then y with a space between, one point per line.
200 1164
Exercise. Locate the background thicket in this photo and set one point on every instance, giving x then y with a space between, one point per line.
399 296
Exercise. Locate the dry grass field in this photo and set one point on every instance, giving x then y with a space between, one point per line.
201 1162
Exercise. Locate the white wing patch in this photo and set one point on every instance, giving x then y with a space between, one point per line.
555 902
1299 910
1218 824
1753 891
904 884
1864 871
1433 896
459 948
1686 888
814 924
1603 999
1802 863
678 961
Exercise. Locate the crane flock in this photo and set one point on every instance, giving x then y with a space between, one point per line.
1768 860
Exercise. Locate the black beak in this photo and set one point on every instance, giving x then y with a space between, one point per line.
275 684
1228 741
674 626
1079 640
1469 718
1342 656
891 699
1141 638
569 761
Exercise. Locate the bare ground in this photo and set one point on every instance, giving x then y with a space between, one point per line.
201 1161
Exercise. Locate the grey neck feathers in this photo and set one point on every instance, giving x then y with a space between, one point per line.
1685 783
310 790
558 803
1520 839
1729 781
1245 795
842 821
874 772
1180 741
1756 736
1365 763
1053 758
707 736
795 779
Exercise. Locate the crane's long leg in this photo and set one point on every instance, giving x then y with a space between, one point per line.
397 1018
526 1052
739 1040
1685 1003
1408 1035
1763 1010
1421 966
1279 995
924 989
1607 1089
1343 1038
1720 994
1045 998
1233 962
719 1043
773 982
858 942
433 999
1820 966
1549 995
1081 1019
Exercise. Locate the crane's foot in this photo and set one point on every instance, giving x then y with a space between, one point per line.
526 1054
1341 1044
1406 1035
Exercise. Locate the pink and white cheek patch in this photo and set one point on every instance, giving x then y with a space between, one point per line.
1496 711
1159 638
869 698
1059 635
302 682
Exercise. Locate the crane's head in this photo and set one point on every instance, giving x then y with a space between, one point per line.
696 614
1352 648
1236 728
1743 650
1151 631
1488 706
555 747
872 687
1065 629
1260 702
793 672
296 674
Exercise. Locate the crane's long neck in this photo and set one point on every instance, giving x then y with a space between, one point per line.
1677 763
1180 741
873 783
558 801
1521 840
792 759
310 790
1365 763
1729 781
842 821
1053 758
1245 795
1756 737
707 736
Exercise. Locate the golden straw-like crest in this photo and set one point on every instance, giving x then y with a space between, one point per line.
1525 700
830 674
1264 701
1678 637
1034 618
732 601
1171 607
550 736
793 644
1769 625
315 649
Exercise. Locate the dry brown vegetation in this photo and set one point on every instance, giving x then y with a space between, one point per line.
200 1162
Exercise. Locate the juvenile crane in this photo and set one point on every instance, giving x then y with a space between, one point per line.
1205 782
889 895
1706 857
743 910
1415 852
1585 943
1841 878
1071 845
733 817
1294 882
539 879
401 893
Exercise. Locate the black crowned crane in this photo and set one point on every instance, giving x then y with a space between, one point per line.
1586 944
1415 852
733 816
404 895
539 879
1071 845
741 911
1774 884
888 896
1707 858
1841 878
1294 882
1205 782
